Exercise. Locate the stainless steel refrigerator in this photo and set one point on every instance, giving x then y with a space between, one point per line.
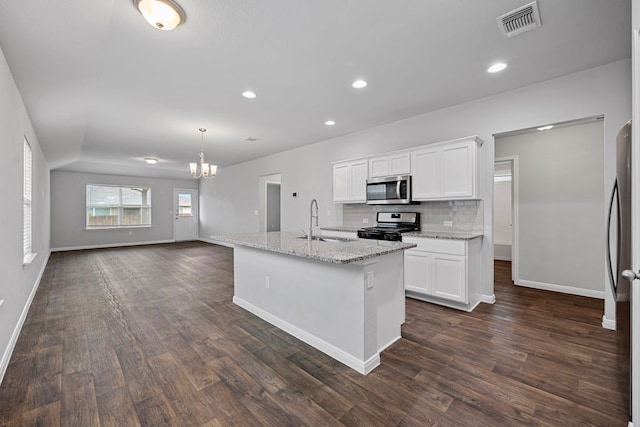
619 237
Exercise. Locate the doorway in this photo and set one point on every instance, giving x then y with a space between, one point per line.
504 215
272 206
185 211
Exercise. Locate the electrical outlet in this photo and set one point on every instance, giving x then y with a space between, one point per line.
328 212
130 232
365 220
255 213
447 223
371 279
1 302
267 281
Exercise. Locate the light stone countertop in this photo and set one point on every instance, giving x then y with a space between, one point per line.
338 253
450 235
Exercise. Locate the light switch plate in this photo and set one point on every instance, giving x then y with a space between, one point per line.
447 223
365 220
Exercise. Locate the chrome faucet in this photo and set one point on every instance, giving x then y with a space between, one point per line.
311 216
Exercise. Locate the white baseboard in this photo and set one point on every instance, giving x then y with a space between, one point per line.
110 245
560 288
362 366
488 299
608 323
501 258
4 362
216 242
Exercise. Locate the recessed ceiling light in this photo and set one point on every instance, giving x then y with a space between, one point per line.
497 67
330 123
151 160
359 84
545 127
251 139
249 94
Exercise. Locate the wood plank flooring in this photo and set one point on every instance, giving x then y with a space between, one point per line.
149 336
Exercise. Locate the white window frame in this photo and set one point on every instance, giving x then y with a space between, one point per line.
119 206
27 204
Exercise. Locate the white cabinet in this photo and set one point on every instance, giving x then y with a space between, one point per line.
393 164
446 171
349 181
425 174
443 271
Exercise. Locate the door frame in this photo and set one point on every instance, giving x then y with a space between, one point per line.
515 214
196 213
266 202
635 211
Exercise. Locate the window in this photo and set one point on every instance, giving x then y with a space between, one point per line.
110 206
184 204
27 227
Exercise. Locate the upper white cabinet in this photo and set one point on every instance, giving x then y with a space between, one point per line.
350 181
393 164
446 171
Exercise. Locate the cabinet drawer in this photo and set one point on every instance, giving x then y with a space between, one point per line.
443 246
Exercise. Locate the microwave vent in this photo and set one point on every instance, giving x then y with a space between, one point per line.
518 21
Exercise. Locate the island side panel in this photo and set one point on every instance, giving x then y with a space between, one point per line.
390 298
327 305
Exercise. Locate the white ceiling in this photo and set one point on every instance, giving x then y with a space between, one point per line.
104 89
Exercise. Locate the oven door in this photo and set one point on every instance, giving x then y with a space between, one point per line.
395 190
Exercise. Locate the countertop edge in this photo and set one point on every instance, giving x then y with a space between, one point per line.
333 260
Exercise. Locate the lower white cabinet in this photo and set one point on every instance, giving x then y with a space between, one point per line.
443 271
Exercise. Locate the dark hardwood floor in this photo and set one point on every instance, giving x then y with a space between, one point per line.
149 336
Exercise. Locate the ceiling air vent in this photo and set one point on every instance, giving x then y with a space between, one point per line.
518 21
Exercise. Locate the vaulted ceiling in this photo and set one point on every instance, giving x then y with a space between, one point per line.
104 89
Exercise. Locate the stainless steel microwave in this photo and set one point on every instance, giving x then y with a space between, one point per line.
389 190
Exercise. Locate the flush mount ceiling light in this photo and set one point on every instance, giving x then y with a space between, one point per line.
162 14
249 94
151 160
546 127
497 67
205 170
330 123
359 84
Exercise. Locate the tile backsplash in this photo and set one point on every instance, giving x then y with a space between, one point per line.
465 215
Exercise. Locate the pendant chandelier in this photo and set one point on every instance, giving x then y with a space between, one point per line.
205 170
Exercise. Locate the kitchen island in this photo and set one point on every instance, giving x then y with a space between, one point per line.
345 298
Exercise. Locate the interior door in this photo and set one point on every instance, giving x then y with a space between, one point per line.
186 215
273 206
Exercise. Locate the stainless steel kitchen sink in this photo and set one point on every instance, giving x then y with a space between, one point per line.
328 239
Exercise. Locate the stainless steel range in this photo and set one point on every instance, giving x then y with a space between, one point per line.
391 225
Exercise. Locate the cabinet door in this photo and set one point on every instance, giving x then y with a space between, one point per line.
358 182
341 182
379 166
417 271
425 174
399 164
449 277
457 170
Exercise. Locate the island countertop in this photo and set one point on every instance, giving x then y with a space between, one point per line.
292 244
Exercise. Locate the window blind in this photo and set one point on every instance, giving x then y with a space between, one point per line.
27 227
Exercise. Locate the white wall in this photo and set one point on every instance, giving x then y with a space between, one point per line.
68 201
561 242
228 202
18 283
